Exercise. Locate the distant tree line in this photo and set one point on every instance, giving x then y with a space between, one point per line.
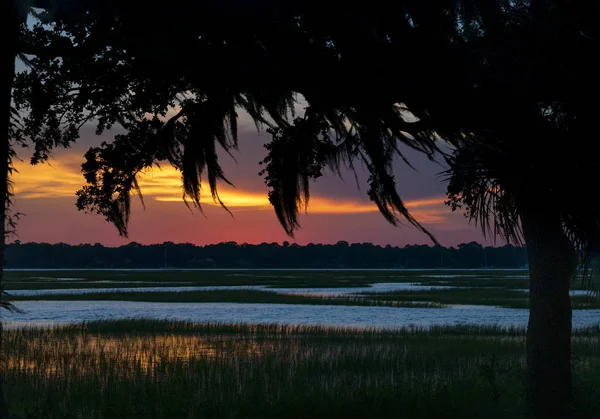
264 255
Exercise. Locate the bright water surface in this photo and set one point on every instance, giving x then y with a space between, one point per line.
55 312
376 287
52 312
379 287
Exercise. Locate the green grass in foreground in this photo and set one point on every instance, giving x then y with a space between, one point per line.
156 369
476 296
225 296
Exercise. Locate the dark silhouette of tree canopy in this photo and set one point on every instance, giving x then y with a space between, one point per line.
511 85
265 255
62 91
524 170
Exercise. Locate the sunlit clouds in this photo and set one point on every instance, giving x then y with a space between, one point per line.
60 178
49 180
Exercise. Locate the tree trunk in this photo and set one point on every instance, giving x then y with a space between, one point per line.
552 264
10 24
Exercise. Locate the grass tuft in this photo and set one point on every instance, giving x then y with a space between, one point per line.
172 369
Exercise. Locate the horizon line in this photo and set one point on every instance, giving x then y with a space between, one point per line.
280 244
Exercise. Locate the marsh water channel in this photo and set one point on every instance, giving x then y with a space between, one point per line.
41 312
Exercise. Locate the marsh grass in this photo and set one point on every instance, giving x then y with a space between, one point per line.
293 279
509 281
159 369
498 297
488 279
434 298
287 279
60 285
227 296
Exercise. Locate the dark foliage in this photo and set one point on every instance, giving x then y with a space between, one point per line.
511 86
266 255
120 64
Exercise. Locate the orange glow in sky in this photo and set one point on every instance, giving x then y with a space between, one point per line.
60 178
46 195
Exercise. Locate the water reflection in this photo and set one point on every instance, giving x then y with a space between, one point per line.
339 291
47 354
377 287
357 316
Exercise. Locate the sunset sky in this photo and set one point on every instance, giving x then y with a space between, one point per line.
338 210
